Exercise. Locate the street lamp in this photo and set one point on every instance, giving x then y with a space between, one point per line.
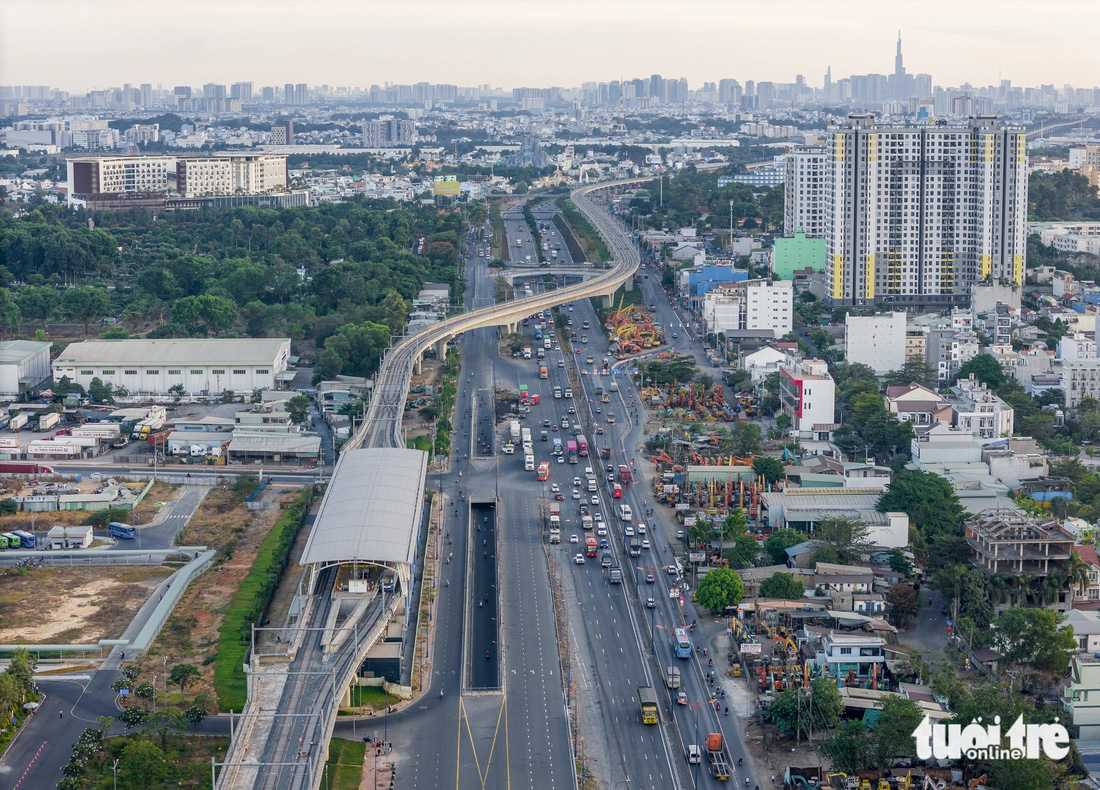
114 770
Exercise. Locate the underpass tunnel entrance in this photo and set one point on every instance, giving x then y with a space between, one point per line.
483 600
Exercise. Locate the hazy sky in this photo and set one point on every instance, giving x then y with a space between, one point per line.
78 45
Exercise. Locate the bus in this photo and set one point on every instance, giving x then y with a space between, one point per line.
683 643
590 544
124 531
582 445
571 451
544 470
557 446
616 491
27 540
10 541
648 699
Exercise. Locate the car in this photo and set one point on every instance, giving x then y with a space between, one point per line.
561 459
584 338
650 603
598 410
554 429
629 531
555 488
589 360
576 481
611 477
546 423
572 410
561 363
675 336
564 422
611 417
640 526
576 493
604 544
601 530
944 610
559 497
649 578
681 698
574 539
610 467
579 559
671 570
595 500
680 534
645 543
598 518
599 430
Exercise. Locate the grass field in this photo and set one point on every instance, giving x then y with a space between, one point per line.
344 767
371 697
594 248
246 607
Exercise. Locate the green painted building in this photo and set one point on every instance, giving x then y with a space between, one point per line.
798 252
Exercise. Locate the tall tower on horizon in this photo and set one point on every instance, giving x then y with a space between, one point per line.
899 67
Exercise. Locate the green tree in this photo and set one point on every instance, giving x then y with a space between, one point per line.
892 737
986 369
195 716
245 485
782 585
779 541
177 392
904 605
132 716
99 392
743 552
163 722
1036 638
183 675
745 438
933 509
849 747
771 469
85 304
396 312
8 507
298 409
143 764
899 563
792 714
721 587
783 423
843 540
21 669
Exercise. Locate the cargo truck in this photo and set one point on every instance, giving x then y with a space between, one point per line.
625 476
18 422
514 429
529 463
526 352
616 576
526 433
635 547
543 373
647 698
716 751
672 677
48 421
586 522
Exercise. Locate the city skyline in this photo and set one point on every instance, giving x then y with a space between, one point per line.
490 42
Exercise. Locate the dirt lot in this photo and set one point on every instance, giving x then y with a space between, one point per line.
72 604
191 633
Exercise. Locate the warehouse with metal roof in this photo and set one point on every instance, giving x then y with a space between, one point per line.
154 367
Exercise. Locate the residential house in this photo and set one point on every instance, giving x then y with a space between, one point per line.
977 410
1091 590
1081 697
918 404
1086 629
808 396
847 655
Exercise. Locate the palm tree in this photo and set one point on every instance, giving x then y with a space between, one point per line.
1078 571
1023 586
999 589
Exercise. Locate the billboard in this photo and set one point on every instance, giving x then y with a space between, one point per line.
445 185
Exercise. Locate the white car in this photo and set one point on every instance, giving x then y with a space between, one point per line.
561 459
554 488
576 481
576 494
561 363
645 543
595 500
579 559
641 528
574 539
629 531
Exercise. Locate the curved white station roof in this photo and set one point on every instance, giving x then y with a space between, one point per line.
372 509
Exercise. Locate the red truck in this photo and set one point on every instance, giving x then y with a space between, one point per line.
624 474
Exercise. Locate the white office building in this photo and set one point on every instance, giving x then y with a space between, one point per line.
154 367
23 365
877 341
804 195
249 174
750 305
915 215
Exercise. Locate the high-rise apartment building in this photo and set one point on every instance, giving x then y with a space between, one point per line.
388 134
804 196
282 133
915 215
242 91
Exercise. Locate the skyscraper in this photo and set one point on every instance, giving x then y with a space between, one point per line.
901 84
915 215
